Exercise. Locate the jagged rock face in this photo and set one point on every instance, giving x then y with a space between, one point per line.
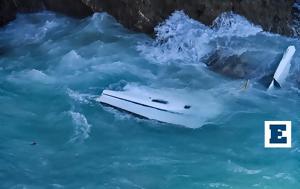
144 15
9 8
272 15
74 8
231 66
25 6
7 12
296 17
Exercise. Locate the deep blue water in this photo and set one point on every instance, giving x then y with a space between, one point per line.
52 69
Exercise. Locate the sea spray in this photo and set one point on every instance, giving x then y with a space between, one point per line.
81 127
183 39
81 97
230 25
178 39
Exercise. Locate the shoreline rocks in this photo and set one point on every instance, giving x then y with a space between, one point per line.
74 8
143 15
276 16
7 12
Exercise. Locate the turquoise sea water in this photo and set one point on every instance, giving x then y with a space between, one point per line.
52 69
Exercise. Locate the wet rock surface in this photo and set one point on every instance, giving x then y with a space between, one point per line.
233 66
9 8
143 15
7 12
73 8
27 6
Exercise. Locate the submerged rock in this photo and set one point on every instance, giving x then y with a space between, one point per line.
240 67
232 66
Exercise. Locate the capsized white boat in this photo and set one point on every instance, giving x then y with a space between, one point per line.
283 68
150 107
163 105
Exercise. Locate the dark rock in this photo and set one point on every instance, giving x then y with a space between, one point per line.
272 15
7 11
296 18
74 8
144 15
27 6
9 8
240 67
232 66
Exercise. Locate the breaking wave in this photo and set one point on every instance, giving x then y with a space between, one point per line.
81 97
229 24
231 40
182 39
81 126
28 76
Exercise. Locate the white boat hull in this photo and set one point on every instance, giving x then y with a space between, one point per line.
283 68
148 107
191 109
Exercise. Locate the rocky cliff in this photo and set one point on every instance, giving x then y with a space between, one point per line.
143 15
7 12
9 8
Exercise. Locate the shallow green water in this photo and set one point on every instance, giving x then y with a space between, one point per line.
52 69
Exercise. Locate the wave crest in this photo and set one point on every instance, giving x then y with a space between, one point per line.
82 127
229 24
182 39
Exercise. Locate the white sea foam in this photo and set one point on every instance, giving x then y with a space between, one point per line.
81 126
284 176
33 31
80 97
101 22
72 67
239 169
218 185
183 39
31 76
179 38
232 25
280 176
72 60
